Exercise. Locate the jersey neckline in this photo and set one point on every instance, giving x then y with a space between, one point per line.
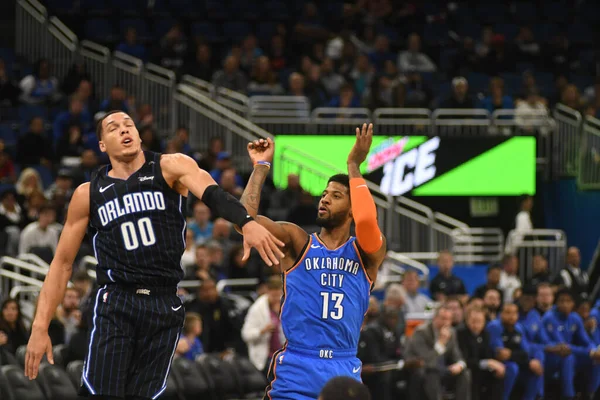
109 167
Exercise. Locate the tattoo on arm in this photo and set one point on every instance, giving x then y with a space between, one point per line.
251 196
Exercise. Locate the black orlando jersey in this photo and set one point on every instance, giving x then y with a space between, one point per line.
137 226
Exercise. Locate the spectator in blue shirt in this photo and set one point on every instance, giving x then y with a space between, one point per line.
223 163
382 53
201 226
116 101
510 342
590 320
497 99
130 45
189 345
77 115
564 327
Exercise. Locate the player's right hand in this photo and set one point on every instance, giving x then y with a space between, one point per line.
267 245
261 150
39 344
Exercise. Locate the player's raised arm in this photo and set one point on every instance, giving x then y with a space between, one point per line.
261 153
364 212
182 169
56 281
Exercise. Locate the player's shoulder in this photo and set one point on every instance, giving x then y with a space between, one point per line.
176 160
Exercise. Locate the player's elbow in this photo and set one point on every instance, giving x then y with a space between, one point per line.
368 235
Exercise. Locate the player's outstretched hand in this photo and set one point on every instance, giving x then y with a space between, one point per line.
261 150
39 344
268 246
360 150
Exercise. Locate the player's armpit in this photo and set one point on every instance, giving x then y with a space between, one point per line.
61 267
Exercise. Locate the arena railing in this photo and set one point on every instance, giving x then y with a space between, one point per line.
233 101
157 89
338 121
31 37
566 147
588 171
33 259
477 245
550 243
402 121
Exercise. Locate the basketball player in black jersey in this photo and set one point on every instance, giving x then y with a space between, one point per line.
134 209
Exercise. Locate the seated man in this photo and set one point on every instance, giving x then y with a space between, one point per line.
435 343
562 326
511 346
487 374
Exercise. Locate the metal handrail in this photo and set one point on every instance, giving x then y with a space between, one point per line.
402 258
21 278
224 283
63 33
33 258
127 62
22 265
14 292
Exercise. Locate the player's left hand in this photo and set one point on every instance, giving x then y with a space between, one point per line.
268 246
39 344
261 150
360 150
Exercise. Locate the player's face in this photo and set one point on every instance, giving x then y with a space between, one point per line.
120 137
565 304
334 206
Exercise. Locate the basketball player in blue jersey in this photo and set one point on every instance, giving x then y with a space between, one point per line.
327 276
134 210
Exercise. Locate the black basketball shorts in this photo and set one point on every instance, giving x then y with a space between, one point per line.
133 335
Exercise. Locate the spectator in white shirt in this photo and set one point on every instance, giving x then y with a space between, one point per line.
262 330
509 280
531 113
42 233
414 302
413 59
523 221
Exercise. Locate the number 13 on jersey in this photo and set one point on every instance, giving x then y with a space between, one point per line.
333 301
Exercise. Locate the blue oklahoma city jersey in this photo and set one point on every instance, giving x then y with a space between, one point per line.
326 298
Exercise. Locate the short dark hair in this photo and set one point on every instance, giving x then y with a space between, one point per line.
47 206
340 178
493 267
344 388
564 292
101 120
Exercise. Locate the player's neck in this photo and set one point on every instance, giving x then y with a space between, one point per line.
335 237
123 169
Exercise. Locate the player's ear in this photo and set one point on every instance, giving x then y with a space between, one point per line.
102 146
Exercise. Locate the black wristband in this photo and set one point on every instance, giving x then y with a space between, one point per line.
225 205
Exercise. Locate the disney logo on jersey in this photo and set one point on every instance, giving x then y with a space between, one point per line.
146 178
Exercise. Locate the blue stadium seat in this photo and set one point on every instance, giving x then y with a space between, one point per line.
96 8
544 32
45 174
544 79
435 34
469 29
580 34
128 8
27 112
62 7
265 30
236 31
192 9
246 10
162 26
525 12
447 57
491 13
555 11
478 82
9 133
140 26
508 30
277 11
100 30
216 9
207 30
512 82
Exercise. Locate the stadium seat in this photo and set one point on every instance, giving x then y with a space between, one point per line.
100 30
252 381
555 11
223 375
6 357
62 7
60 354
75 370
172 390
45 174
190 381
20 355
127 8
159 8
491 13
8 133
236 31
191 9
28 112
162 26
246 10
207 30
16 386
216 9
96 8
277 11
55 383
140 26
266 30
525 12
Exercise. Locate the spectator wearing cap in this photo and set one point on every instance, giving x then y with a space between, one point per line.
262 329
572 277
223 162
413 59
460 97
42 233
